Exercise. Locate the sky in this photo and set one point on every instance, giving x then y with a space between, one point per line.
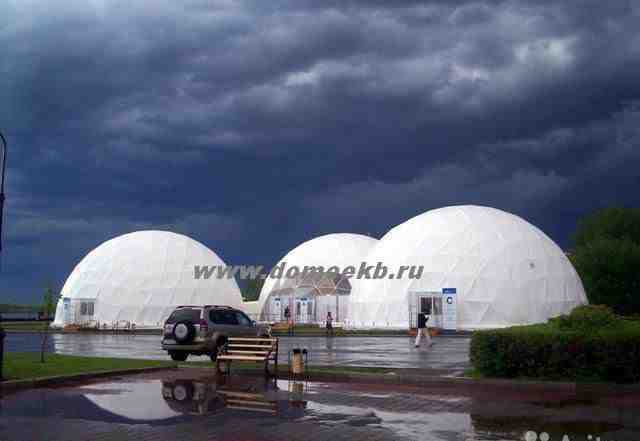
253 126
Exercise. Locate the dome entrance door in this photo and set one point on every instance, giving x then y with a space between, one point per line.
304 310
276 309
429 303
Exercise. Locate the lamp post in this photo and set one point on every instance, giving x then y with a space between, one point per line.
2 173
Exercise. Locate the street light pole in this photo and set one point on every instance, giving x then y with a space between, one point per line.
2 174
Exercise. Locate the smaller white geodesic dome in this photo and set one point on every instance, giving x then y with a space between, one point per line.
340 250
505 270
138 278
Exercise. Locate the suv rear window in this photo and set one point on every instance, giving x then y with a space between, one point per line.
185 314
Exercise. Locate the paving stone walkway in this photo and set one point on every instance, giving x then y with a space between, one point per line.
448 354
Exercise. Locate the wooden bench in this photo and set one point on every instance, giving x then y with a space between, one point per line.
248 401
256 349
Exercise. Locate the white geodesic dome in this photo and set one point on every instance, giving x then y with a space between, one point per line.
505 270
138 278
339 249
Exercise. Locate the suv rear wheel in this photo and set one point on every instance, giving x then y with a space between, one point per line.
178 355
183 332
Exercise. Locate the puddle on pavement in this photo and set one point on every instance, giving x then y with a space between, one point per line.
175 400
161 401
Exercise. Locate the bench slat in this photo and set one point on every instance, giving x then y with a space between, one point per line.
237 345
251 339
233 351
252 403
240 394
241 357
252 409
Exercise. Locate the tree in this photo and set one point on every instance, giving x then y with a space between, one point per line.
612 223
607 257
49 302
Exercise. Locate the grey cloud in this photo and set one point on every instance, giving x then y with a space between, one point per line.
450 184
521 175
227 75
257 123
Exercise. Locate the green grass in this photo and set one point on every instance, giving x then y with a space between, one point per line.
19 366
472 373
24 326
477 375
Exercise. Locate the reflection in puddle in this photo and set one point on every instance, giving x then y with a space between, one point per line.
134 401
266 408
161 402
210 396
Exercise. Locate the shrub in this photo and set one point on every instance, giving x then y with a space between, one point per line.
610 271
607 257
587 318
551 352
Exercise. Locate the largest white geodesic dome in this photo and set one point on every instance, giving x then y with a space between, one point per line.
309 297
505 271
138 278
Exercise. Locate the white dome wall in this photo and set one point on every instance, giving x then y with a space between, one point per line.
339 249
140 277
505 270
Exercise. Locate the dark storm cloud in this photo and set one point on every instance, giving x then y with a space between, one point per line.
255 125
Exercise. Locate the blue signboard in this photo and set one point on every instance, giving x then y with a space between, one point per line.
66 308
449 308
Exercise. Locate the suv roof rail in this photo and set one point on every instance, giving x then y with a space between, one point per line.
206 306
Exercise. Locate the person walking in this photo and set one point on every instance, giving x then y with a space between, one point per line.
423 330
287 317
329 324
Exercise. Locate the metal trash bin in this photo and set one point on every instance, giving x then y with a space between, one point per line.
297 361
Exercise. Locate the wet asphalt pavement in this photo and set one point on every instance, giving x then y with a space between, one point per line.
191 404
449 354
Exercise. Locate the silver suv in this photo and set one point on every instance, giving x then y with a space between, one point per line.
202 330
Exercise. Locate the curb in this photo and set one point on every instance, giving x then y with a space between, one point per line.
13 385
367 335
30 331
